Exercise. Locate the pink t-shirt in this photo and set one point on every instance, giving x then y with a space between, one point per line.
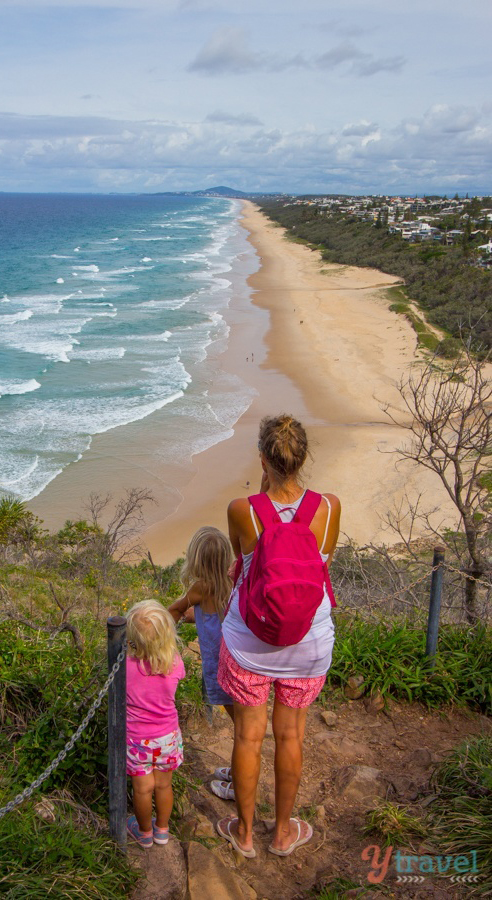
150 709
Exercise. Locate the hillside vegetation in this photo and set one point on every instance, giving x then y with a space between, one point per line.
455 294
56 593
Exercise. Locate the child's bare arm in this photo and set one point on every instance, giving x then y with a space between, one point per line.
191 598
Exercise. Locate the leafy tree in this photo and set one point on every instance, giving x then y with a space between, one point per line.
474 207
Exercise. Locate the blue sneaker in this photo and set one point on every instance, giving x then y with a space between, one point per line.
161 835
144 839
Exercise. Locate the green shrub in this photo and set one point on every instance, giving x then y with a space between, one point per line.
47 687
391 657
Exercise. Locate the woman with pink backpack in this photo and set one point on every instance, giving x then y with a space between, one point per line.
278 629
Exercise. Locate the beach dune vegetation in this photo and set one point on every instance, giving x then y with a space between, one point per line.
455 295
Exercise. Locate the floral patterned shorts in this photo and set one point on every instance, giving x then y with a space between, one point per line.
251 689
164 753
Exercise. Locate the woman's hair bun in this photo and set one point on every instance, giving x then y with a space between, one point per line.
283 441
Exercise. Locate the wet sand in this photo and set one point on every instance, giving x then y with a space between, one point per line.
312 339
332 353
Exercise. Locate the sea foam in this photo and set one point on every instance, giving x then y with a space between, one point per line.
134 338
18 387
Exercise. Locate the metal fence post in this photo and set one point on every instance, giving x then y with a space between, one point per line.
434 605
117 734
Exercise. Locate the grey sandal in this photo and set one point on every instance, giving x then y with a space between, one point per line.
223 789
224 773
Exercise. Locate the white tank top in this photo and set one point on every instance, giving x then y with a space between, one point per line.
310 658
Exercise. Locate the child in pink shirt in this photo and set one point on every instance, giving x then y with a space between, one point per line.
154 743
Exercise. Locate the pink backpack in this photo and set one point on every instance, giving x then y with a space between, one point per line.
285 582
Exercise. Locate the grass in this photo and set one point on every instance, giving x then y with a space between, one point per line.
339 888
394 824
446 347
391 658
400 304
59 860
397 294
308 813
462 812
265 810
46 686
459 819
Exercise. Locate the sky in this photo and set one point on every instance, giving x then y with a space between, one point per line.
297 96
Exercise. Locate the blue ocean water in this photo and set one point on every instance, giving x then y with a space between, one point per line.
108 304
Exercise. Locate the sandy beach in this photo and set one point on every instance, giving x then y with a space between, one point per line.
331 354
311 339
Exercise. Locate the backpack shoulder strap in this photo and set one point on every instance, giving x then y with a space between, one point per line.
264 509
307 507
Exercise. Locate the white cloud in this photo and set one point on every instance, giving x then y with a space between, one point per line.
131 94
360 129
145 155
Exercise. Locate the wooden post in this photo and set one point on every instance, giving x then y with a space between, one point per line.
117 734
434 606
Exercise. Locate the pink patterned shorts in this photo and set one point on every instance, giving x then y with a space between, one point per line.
165 754
251 689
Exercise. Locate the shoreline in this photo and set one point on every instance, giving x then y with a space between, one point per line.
331 353
312 339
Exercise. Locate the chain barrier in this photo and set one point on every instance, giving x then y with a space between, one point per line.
405 588
467 576
70 743
408 587
107 684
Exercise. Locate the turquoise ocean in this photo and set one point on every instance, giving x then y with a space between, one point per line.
112 307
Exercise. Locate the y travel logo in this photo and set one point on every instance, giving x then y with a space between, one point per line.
460 869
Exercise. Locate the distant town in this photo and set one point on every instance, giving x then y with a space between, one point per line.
416 219
462 220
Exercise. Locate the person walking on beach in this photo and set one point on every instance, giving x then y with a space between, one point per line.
249 666
154 743
205 578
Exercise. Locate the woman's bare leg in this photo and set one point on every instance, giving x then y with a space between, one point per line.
249 730
288 728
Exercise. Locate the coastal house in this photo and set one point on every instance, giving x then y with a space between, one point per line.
415 231
453 236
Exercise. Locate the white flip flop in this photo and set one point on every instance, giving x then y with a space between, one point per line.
298 842
224 829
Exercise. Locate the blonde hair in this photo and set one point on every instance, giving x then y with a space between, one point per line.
207 560
151 635
284 444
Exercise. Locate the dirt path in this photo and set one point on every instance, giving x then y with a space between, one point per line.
403 743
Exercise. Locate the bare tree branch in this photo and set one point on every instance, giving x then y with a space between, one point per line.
447 415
